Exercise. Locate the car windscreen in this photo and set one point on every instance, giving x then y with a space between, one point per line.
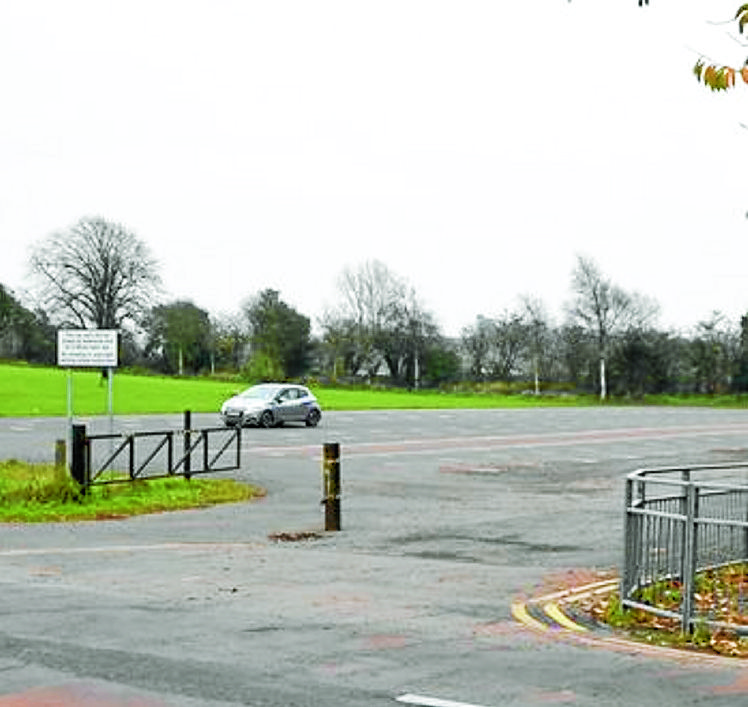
260 392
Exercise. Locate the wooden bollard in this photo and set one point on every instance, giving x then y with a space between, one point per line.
61 455
331 485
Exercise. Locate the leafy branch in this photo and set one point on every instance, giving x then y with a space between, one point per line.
722 78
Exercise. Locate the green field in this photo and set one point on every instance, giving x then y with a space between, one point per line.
27 391
37 391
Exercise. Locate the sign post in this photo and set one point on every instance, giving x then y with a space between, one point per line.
87 348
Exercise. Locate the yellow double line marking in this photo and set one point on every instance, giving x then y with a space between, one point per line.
550 607
519 612
551 610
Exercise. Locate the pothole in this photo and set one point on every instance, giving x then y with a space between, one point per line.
488 469
295 536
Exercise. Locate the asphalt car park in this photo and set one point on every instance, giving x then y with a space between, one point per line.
447 517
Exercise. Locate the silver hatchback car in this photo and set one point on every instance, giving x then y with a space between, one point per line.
272 405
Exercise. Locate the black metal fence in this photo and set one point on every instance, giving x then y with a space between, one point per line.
686 545
117 458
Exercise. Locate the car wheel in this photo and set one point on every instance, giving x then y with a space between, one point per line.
312 419
266 419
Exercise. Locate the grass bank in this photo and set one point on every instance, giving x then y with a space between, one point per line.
33 493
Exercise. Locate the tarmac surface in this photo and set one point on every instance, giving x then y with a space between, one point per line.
450 521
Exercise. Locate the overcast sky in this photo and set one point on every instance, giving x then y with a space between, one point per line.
474 147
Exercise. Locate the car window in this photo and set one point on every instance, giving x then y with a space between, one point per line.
259 392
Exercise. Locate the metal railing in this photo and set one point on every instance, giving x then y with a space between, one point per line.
151 455
686 545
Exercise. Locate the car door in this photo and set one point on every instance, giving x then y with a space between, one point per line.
288 405
296 411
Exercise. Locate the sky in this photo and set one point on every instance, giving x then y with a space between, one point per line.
475 147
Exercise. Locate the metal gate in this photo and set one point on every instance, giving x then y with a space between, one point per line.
152 455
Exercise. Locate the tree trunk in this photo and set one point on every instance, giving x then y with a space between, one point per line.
603 387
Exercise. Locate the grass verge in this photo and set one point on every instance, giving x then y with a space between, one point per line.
35 493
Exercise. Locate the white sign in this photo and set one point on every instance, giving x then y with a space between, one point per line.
95 348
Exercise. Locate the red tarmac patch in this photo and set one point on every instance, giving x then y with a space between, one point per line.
73 696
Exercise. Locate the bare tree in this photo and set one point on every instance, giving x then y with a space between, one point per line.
605 309
538 334
380 320
369 289
368 294
95 274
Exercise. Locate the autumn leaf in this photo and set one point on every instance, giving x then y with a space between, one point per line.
742 17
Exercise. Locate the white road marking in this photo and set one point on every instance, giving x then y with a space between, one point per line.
421 446
431 701
156 547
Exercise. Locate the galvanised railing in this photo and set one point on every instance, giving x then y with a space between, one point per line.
686 545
